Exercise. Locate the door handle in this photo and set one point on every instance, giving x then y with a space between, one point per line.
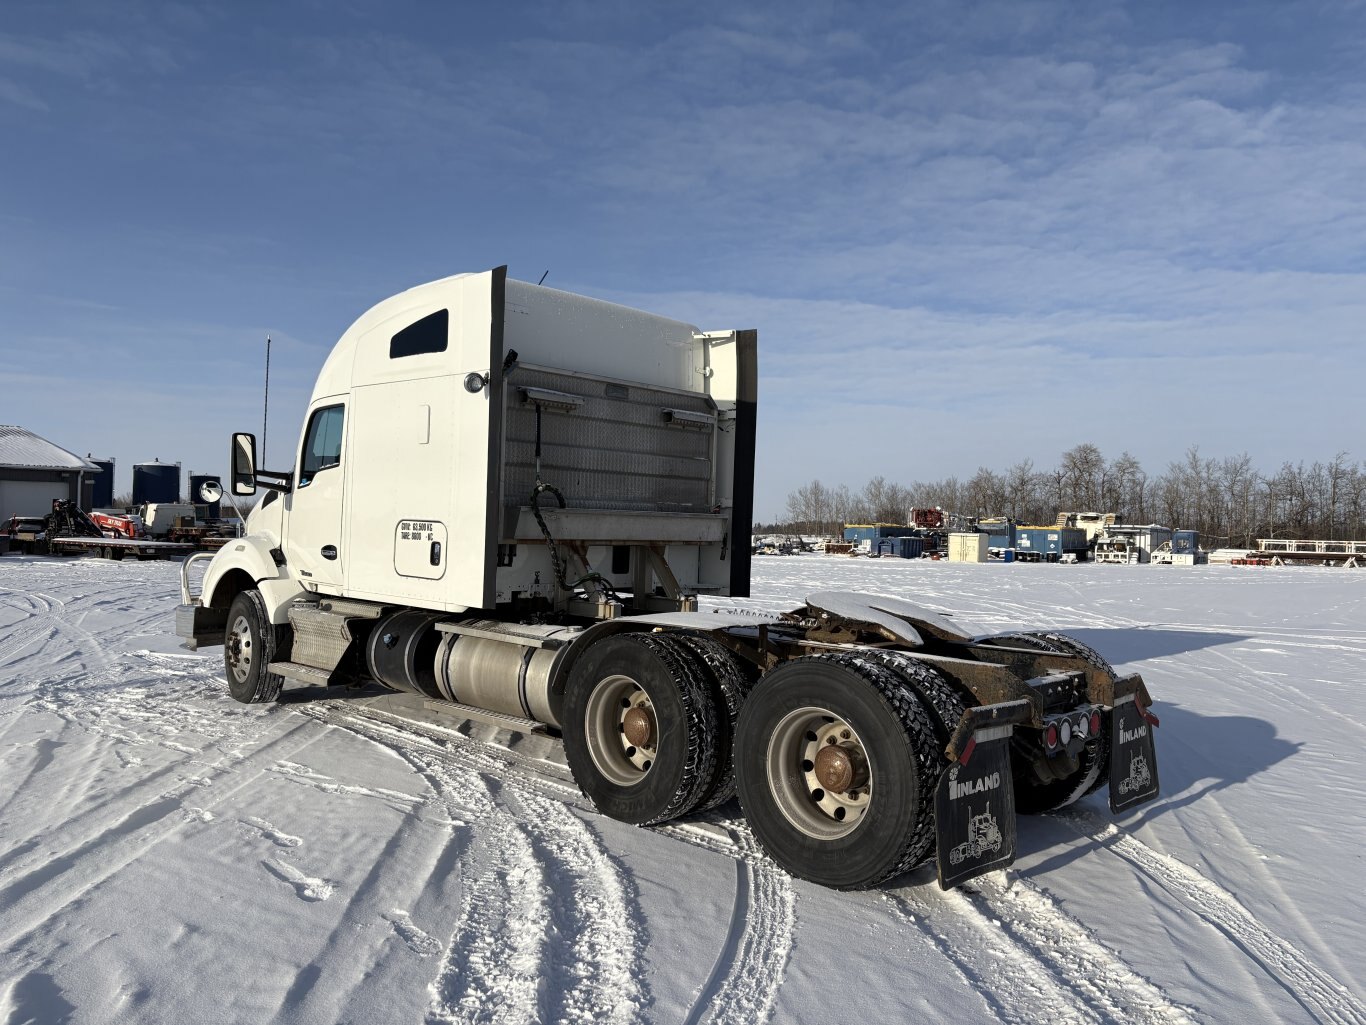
329 551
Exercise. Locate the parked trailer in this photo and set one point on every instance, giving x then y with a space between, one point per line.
507 499
70 531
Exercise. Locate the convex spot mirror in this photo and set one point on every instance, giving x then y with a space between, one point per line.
210 491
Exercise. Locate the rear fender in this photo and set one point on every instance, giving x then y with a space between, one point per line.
897 620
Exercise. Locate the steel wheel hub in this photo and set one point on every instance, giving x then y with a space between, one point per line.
819 773
622 730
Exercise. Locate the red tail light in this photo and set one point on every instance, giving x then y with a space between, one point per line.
1050 736
1095 724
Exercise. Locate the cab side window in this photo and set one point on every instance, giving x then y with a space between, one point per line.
322 443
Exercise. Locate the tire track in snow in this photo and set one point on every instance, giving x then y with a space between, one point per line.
1029 960
1317 991
743 986
498 956
598 934
59 625
101 714
493 963
1073 953
37 611
62 878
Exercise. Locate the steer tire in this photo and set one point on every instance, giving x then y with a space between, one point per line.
658 677
250 644
1034 796
864 834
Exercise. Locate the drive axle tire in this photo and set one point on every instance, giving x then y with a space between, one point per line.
1035 796
835 763
251 643
730 681
640 728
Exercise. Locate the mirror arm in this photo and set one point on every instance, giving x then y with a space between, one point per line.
275 480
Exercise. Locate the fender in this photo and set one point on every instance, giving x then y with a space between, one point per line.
251 555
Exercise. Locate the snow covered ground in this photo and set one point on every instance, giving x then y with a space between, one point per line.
168 855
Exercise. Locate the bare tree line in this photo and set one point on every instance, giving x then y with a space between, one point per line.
1228 500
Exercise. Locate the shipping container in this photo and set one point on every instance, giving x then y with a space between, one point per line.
874 532
901 547
968 547
1049 543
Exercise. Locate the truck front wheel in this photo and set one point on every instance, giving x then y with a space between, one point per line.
250 645
640 728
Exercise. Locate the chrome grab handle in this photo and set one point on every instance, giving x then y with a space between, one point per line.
186 598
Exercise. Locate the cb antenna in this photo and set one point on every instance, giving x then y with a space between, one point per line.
543 276
265 410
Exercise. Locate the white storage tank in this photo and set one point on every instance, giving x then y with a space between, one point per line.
968 547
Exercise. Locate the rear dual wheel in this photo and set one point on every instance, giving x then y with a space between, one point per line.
640 728
1044 784
836 763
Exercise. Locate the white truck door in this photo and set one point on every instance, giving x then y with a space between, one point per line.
425 450
313 509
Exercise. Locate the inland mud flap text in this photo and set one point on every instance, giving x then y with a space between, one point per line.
974 809
1133 756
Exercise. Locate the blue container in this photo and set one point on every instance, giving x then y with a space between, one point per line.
1002 535
156 482
910 547
901 547
102 497
1185 541
874 532
1050 543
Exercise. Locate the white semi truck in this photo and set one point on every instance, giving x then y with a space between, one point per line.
508 499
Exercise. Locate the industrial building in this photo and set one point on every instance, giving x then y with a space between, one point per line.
34 472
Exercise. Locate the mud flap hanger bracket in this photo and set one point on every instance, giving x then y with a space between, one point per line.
1121 689
1005 714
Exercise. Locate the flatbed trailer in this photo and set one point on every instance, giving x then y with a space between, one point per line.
71 531
117 548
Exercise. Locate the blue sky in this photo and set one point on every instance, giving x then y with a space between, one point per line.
968 233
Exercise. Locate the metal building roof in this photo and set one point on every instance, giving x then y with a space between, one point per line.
25 450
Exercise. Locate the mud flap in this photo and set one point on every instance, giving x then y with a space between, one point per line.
1133 756
974 809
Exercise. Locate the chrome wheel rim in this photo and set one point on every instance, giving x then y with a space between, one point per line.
239 649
